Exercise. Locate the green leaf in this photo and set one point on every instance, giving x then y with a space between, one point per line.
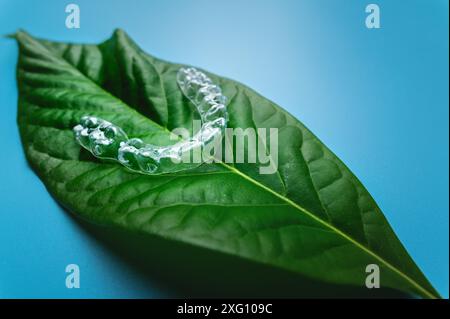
312 217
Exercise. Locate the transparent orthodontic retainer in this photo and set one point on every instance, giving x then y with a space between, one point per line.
108 141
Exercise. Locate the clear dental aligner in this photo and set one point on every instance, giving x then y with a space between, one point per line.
108 141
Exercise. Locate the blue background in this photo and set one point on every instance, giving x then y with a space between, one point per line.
377 98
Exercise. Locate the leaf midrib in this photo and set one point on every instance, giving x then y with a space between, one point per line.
336 230
347 237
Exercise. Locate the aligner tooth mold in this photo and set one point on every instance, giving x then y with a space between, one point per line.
108 141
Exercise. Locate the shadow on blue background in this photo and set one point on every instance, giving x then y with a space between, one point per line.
377 98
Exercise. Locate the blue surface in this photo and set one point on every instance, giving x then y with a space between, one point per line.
377 98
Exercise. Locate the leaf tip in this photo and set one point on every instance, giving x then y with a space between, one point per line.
15 35
10 35
118 32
